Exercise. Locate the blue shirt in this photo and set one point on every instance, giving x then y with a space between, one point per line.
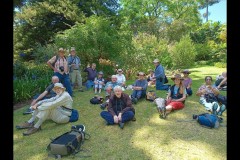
141 83
74 60
159 72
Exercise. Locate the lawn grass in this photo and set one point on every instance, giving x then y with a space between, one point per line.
149 137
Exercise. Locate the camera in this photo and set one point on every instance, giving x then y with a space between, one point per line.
195 116
103 105
61 68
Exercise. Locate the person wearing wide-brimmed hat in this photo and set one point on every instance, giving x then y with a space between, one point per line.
187 81
99 82
74 64
159 76
206 90
59 65
139 87
176 96
57 108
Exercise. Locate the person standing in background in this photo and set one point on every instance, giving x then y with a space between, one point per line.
74 68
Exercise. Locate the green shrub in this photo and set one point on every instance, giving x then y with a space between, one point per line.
183 53
202 52
220 64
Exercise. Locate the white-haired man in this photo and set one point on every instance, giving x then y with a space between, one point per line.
58 109
120 109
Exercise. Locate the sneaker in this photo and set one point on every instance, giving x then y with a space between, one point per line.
164 114
25 125
31 131
214 109
121 125
222 109
28 111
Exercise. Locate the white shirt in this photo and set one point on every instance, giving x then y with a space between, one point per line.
121 78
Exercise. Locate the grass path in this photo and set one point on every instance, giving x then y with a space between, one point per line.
149 137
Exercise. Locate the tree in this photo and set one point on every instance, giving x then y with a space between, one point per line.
206 4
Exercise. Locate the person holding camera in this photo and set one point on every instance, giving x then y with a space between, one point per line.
59 65
74 68
120 109
209 90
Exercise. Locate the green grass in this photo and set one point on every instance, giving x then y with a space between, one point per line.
149 137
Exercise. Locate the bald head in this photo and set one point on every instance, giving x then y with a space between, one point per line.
55 79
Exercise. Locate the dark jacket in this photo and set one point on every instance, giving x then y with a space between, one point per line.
120 105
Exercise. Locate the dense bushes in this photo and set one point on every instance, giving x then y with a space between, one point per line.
29 79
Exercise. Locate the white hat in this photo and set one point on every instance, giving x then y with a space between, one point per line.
59 85
156 61
72 49
60 49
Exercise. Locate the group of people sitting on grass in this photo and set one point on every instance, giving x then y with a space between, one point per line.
120 110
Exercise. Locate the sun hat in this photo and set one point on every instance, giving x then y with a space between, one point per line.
72 49
60 50
177 76
186 71
156 61
59 85
141 74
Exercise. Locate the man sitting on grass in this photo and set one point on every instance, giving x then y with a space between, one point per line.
48 93
120 109
57 108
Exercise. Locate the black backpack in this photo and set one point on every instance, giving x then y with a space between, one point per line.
68 143
96 100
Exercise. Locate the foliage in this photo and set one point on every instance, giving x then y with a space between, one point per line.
42 54
203 52
29 78
220 64
183 53
37 22
96 39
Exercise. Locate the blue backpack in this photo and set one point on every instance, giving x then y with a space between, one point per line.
208 120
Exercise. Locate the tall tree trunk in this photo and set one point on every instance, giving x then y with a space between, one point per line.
207 12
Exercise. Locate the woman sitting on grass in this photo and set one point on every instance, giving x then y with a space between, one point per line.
120 109
175 98
187 81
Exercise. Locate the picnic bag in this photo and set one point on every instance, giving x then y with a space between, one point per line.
68 143
151 95
96 100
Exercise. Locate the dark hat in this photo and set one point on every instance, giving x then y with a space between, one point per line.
186 71
177 76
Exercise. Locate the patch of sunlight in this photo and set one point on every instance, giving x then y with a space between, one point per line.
155 119
157 144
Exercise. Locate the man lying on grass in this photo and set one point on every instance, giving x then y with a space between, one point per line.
120 109
57 108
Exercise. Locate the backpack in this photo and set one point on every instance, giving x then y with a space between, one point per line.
151 95
208 120
160 102
74 116
96 100
68 143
